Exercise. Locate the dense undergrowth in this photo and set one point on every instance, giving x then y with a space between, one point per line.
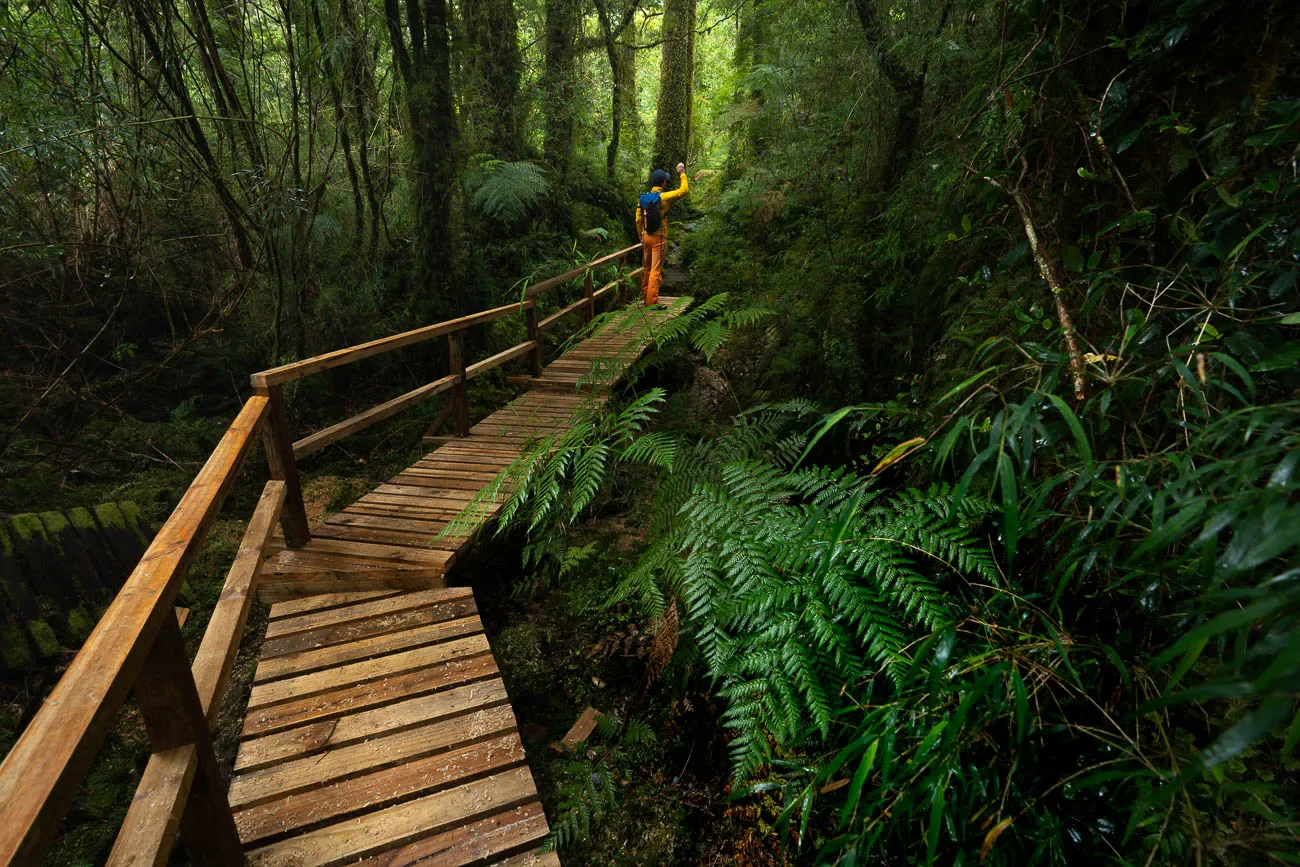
1030 595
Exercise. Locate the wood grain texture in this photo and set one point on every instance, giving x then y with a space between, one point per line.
357 697
400 824
315 737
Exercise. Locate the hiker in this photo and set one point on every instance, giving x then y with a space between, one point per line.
652 226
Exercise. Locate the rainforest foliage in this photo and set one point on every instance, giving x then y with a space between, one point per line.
987 545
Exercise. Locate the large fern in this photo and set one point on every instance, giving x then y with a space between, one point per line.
798 581
505 191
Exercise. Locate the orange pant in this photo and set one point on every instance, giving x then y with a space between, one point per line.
653 249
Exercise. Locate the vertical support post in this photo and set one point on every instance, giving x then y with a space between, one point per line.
278 440
535 335
173 716
587 291
459 391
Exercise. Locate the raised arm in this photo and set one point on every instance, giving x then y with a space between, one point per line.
681 190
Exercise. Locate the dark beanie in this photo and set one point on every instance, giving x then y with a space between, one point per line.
659 178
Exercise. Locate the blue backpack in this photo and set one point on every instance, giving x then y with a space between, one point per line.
652 212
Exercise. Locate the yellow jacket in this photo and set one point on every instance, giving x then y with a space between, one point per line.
666 202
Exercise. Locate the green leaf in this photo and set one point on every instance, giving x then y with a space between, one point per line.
965 382
1073 259
859 778
1022 705
1072 421
827 423
1240 737
936 821
1010 504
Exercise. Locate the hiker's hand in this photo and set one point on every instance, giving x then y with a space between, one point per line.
681 168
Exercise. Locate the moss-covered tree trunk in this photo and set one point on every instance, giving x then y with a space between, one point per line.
676 87
559 77
425 67
495 65
558 81
749 133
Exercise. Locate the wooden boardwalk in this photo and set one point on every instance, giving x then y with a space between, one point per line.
378 728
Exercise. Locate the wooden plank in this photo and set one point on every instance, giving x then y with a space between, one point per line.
277 440
220 646
353 630
42 772
580 731
448 483
287 586
394 826
299 369
297 775
269 670
319 603
362 420
388 555
310 739
410 508
407 501
459 393
506 832
355 698
173 716
580 304
424 540
360 672
148 832
500 358
378 789
535 858
362 610
400 519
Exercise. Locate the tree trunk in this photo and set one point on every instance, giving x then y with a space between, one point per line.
676 85
622 71
361 102
558 82
748 139
341 128
908 87
425 67
495 67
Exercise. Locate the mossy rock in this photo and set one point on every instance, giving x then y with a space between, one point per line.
47 644
15 649
42 562
79 566
124 529
103 568
59 571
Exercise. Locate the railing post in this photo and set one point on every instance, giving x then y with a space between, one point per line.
459 391
174 718
278 440
587 291
535 335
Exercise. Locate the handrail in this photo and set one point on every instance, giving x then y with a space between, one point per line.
43 771
151 822
308 366
137 646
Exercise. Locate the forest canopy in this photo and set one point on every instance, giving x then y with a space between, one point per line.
986 547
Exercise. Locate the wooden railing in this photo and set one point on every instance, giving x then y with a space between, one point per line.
137 645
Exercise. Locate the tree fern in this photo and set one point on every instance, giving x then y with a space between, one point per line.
506 191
